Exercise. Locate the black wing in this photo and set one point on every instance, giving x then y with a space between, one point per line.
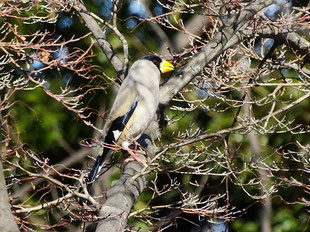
112 136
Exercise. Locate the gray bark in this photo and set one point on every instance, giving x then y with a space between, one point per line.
7 221
120 199
100 36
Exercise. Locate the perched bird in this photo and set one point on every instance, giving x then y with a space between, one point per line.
134 107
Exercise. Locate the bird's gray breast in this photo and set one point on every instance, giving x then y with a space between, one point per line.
146 77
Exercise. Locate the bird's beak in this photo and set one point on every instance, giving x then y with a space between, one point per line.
166 66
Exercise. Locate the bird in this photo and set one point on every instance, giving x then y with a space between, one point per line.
133 109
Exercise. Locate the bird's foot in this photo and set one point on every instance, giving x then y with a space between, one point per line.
134 157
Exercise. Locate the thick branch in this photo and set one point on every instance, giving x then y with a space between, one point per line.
120 199
230 35
285 35
7 221
124 192
99 34
298 43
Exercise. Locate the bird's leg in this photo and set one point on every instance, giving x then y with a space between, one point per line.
133 156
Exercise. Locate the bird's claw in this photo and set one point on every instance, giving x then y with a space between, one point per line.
134 157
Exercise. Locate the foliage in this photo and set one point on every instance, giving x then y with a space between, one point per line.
235 139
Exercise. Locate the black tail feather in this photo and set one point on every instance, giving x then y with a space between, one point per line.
101 158
96 168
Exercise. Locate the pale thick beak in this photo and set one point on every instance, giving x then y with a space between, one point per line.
166 66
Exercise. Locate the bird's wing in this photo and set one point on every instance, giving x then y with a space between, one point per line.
137 123
142 115
123 102
119 124
122 109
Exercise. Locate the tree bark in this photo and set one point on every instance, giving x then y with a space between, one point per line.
120 199
7 221
100 36
124 192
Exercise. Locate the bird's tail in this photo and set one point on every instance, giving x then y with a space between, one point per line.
96 169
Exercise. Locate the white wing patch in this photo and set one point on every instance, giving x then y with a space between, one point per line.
116 134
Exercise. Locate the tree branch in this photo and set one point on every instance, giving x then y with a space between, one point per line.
100 36
9 224
226 38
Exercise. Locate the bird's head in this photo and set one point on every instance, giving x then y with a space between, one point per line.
163 65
